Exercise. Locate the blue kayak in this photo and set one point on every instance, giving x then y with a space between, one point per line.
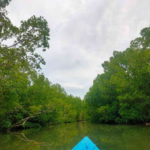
85 144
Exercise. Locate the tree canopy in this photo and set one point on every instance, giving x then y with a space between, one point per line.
28 98
121 93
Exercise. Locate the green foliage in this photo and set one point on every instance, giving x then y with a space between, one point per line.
121 93
7 124
26 97
4 3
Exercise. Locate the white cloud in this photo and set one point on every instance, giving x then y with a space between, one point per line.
84 33
73 86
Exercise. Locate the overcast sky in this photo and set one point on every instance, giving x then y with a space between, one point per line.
84 33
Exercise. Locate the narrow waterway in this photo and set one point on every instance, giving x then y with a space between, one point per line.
66 136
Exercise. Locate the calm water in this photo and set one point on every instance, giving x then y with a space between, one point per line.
65 137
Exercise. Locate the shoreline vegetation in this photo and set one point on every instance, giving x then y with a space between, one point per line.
29 100
122 93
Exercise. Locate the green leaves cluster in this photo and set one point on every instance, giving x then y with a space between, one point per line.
24 92
121 94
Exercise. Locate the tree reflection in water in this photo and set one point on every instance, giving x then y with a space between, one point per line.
66 136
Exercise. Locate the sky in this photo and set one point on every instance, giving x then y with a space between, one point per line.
83 34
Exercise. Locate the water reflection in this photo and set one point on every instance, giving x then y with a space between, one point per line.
66 136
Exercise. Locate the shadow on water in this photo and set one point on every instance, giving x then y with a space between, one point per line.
66 136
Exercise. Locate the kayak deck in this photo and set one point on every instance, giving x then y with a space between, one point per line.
85 144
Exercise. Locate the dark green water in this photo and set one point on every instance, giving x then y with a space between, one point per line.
65 137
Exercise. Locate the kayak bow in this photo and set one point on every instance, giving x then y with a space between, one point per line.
85 144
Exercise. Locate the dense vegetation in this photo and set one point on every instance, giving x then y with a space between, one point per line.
122 93
27 98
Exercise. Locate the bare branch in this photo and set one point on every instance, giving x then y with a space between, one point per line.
23 121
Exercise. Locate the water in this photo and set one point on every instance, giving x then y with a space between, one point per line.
66 136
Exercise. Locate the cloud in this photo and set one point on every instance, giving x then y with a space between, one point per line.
73 86
84 33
